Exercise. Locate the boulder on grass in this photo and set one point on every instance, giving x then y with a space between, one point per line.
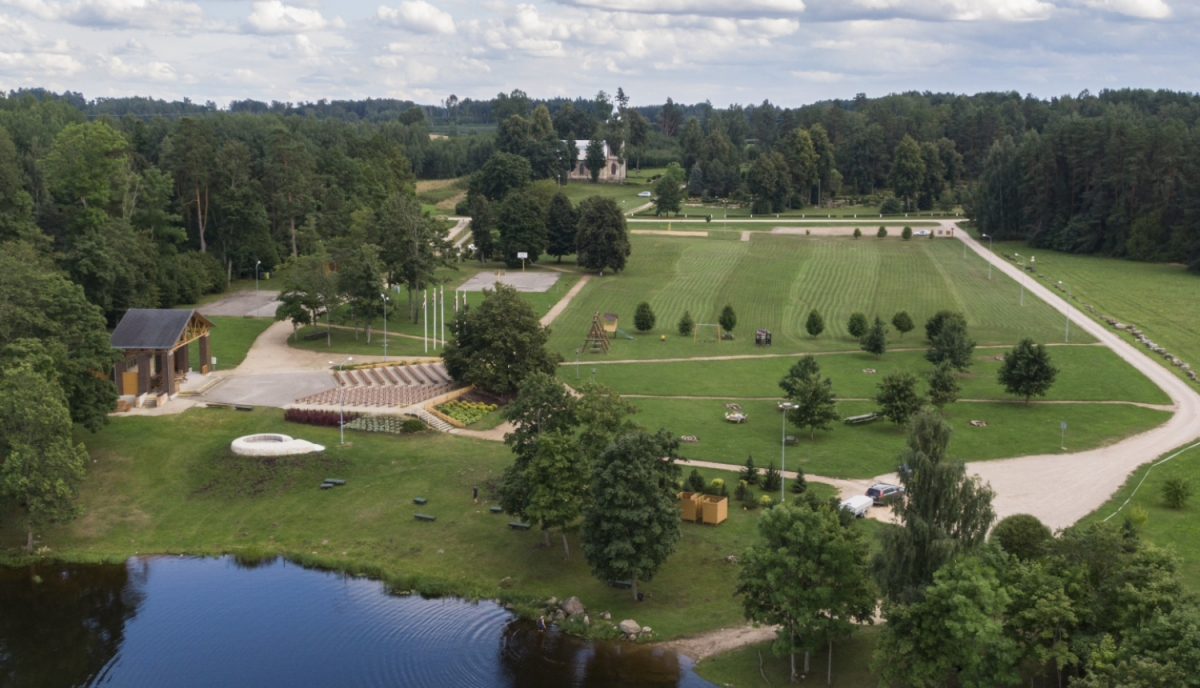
573 606
630 627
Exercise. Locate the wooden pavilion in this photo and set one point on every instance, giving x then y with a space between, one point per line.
155 343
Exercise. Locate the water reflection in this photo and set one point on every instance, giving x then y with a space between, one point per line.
205 622
61 625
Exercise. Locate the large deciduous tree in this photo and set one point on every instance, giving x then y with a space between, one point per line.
807 574
945 513
874 340
502 173
521 224
670 196
412 247
289 178
898 398
908 170
40 466
631 525
602 239
951 343
498 344
813 398
1027 370
562 224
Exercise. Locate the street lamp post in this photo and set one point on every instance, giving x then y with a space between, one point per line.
385 300
256 280
577 364
342 400
785 406
1067 326
989 238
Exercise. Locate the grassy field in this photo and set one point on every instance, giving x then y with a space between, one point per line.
864 451
1162 299
167 485
626 195
744 224
861 213
231 338
759 377
774 281
1175 528
739 668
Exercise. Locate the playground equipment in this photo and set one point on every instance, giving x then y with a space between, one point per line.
597 337
696 331
762 338
610 325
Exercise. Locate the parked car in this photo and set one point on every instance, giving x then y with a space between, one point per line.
883 493
644 194
858 505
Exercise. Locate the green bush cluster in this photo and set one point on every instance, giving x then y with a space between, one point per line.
466 412
387 424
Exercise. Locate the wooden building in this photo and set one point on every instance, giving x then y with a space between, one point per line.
155 343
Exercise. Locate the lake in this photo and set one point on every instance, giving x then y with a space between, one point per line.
172 621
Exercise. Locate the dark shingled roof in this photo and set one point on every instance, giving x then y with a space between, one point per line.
150 328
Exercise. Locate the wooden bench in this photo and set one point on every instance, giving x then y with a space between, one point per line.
326 486
864 418
419 500
243 407
495 510
425 517
335 481
313 335
791 441
514 525
623 584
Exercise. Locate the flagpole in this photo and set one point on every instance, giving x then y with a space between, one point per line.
443 317
425 318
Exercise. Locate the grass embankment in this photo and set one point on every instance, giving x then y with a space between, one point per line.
773 282
1176 528
231 338
626 195
861 213
1161 299
741 224
168 485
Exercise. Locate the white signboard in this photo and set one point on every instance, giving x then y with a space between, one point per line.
522 255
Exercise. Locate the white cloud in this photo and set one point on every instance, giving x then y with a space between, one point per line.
1143 9
38 64
300 48
164 15
720 8
418 16
131 46
149 71
272 16
819 76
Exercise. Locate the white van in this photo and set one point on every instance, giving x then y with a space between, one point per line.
858 505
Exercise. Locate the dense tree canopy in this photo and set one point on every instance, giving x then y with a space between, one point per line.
499 343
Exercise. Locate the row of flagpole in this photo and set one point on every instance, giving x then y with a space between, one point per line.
439 303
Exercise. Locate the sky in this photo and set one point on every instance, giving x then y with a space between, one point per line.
791 52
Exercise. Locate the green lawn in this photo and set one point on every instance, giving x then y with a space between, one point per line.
167 485
344 342
1175 528
864 451
759 377
1163 300
231 338
626 195
774 281
863 214
740 669
744 224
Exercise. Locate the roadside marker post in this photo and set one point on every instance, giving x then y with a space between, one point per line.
1062 443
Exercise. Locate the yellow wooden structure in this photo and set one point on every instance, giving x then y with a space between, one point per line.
702 508
597 338
610 323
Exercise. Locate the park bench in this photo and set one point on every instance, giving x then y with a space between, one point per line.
514 525
495 510
326 486
335 481
791 441
419 500
425 517
623 584
864 418
313 335
243 407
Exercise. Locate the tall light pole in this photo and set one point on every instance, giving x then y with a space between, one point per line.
1067 326
342 399
1022 279
256 280
385 300
989 238
785 406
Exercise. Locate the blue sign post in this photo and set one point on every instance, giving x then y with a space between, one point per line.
1063 440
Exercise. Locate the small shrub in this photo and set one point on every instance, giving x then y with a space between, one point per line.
1177 492
387 424
643 317
857 325
695 481
857 233
771 479
717 488
882 232
686 324
906 233
728 318
411 425
765 501
799 483
1022 536
749 474
891 206
466 412
739 493
750 502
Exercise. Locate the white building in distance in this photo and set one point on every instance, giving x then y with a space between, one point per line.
613 170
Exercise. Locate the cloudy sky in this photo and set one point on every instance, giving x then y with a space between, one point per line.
790 51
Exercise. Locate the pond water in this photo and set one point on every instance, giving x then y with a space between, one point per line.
217 622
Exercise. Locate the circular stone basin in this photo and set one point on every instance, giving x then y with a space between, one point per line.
271 444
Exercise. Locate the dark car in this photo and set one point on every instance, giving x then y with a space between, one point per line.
883 493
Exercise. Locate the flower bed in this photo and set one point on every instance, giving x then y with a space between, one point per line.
389 424
466 412
319 418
